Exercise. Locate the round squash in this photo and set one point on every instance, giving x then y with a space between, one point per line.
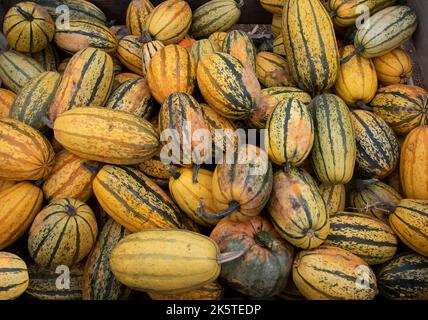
210 291
7 98
13 276
130 53
334 197
239 45
136 16
272 70
394 67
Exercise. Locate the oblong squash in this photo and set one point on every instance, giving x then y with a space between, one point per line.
130 53
272 70
334 197
13 276
202 47
156 170
120 78
148 52
239 45
136 16
210 291
394 67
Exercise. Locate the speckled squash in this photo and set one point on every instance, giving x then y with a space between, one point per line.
136 16
149 50
156 170
272 70
13 276
122 77
334 197
239 45
48 58
273 6
130 53
218 38
7 98
394 67
278 45
202 47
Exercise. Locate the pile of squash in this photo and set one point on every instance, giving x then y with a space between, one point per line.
339 210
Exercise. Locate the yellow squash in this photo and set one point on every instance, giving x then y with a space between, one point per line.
272 70
13 276
130 53
7 98
334 197
394 67
136 16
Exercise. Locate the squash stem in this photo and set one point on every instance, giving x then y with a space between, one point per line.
25 14
332 13
48 123
233 206
352 55
39 183
145 36
230 256
195 173
360 184
175 174
240 4
363 106
90 167
264 239
287 167
111 23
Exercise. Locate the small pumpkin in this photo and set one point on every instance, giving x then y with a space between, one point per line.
394 67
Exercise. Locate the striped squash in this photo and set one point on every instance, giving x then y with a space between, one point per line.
87 80
239 45
20 204
184 261
297 209
404 278
270 97
28 27
81 34
273 6
133 200
117 65
272 70
136 16
47 284
394 67
334 151
290 133
402 107
330 273
125 138
63 233
357 81
63 65
6 184
218 38
202 47
215 16
172 69
156 170
410 223
310 45
365 195
7 98
130 53
48 58
71 177
148 51
400 23
228 86
25 153
132 96
377 146
99 283
414 165
13 276
121 78
210 291
278 46
394 181
334 197
32 102
16 69
345 13
169 21
367 237
276 24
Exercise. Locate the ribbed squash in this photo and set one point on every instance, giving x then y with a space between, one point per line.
394 67
99 283
202 47
121 78
133 200
130 53
16 69
218 38
62 233
273 6
148 51
310 47
215 16
290 133
297 209
367 196
46 284
71 177
377 145
404 278
414 165
80 34
334 197
270 97
277 24
7 98
48 58
402 107
210 291
172 69
6 184
239 45
334 151
278 46
367 237
136 16
157 170
125 138
25 153
32 102
169 21
132 96
28 27
87 80
345 13
228 86
13 276
357 81
410 223
329 273
20 204
272 70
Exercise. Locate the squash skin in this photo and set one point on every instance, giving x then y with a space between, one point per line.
137 14
273 6
276 24
149 50
394 67
210 291
202 47
12 283
121 78
334 197
156 170
130 53
48 58
217 38
239 45
7 98
272 70
278 46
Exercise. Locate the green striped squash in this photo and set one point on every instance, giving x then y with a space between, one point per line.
405 277
99 283
377 146
92 70
81 34
56 283
156 170
136 16
367 237
334 151
334 197
310 45
239 45
32 102
16 69
389 29
148 51
214 16
278 45
13 276
130 53
272 70
48 58
149 207
202 47
273 6
63 233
